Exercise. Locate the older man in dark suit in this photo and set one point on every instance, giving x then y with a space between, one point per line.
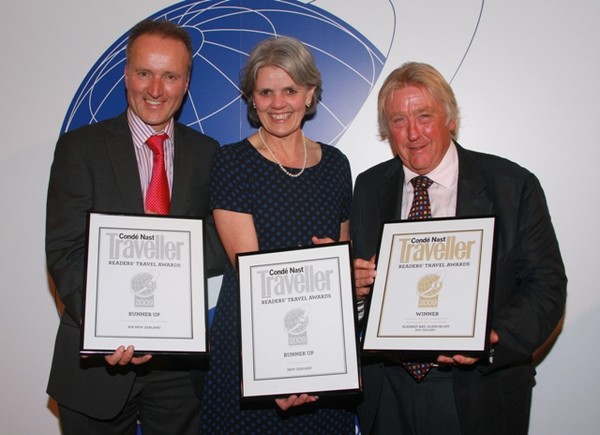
419 116
108 167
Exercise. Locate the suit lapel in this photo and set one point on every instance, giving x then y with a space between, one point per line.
182 171
472 199
124 163
390 193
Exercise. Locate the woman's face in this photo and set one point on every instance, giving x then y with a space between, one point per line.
280 102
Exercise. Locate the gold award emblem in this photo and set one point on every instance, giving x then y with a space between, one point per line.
428 289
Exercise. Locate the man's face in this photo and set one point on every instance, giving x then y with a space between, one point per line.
418 129
156 78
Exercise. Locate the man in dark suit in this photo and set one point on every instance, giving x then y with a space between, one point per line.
107 167
460 394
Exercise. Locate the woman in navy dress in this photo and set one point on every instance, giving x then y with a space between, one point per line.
276 189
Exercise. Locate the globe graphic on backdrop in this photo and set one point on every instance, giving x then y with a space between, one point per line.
223 34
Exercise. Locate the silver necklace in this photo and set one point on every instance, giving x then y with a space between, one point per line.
285 171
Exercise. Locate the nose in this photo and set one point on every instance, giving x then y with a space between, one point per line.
412 129
278 100
155 87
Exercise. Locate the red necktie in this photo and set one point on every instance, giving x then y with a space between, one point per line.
420 209
158 197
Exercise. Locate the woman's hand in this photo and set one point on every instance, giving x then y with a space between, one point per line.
322 241
295 400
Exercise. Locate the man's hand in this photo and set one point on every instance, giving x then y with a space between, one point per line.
123 356
465 360
364 276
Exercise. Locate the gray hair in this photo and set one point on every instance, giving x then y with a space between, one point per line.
422 76
290 55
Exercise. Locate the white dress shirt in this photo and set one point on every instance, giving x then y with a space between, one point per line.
443 191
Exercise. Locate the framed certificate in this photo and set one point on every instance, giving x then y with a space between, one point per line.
145 285
298 322
432 291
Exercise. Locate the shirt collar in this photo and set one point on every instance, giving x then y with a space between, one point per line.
142 131
445 174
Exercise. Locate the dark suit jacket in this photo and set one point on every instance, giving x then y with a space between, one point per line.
530 281
95 169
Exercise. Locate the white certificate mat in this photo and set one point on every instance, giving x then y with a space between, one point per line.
298 323
145 284
432 291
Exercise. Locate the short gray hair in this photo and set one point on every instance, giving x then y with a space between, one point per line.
290 55
422 76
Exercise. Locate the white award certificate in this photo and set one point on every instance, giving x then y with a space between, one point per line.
298 322
145 285
432 291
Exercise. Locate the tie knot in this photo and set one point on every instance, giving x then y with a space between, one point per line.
156 141
421 206
421 182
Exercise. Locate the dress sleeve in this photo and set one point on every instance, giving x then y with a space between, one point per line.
344 176
230 187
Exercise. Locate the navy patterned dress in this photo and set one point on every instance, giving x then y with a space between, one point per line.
287 212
